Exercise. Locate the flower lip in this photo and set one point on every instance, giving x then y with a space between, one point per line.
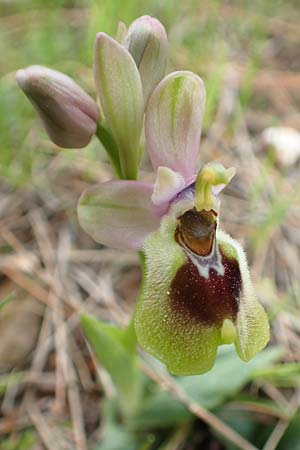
208 301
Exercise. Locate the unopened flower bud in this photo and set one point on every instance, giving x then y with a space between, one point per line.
120 92
147 42
69 114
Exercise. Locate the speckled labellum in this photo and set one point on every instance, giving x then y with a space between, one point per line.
197 292
204 293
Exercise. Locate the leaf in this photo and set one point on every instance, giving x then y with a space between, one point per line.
258 405
6 300
9 380
161 411
291 438
25 440
257 430
247 424
281 375
117 438
210 390
228 377
114 348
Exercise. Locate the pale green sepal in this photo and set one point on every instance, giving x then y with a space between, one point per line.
118 213
252 324
6 300
185 348
114 348
120 91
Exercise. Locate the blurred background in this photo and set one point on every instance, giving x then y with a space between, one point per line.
52 391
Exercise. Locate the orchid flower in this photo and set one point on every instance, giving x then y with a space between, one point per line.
196 292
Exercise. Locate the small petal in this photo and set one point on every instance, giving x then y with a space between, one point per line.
228 332
69 114
252 322
147 42
167 184
173 122
118 214
120 91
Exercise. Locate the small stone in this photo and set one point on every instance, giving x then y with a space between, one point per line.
285 141
20 322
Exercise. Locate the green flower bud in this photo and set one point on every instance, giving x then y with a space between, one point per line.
69 114
147 42
120 92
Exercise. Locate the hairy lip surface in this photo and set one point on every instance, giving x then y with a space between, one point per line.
206 301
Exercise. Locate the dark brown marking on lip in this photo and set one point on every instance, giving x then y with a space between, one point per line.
196 230
206 301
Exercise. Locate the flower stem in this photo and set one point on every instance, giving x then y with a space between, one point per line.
111 148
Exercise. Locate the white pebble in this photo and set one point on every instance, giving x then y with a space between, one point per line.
285 142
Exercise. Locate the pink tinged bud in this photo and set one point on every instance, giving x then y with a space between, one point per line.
69 114
173 122
147 42
119 88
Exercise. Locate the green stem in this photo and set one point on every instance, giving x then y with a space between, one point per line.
111 148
